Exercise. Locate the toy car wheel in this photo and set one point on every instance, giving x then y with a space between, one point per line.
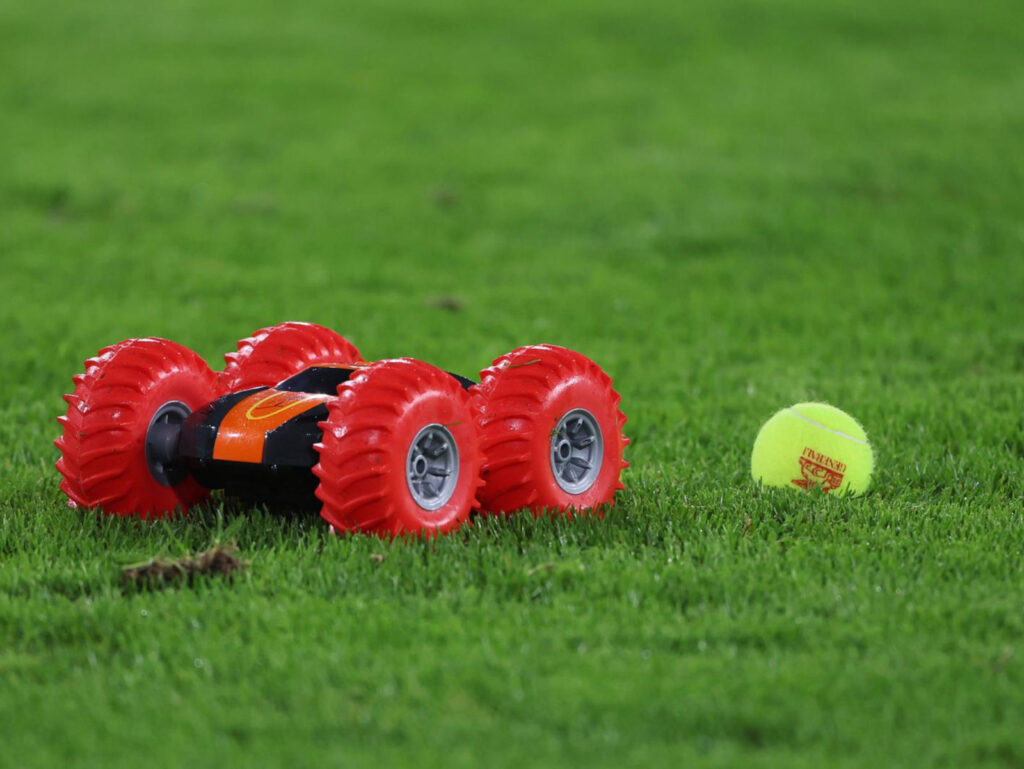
273 354
399 451
550 430
118 447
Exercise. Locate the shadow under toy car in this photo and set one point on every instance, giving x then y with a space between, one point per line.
298 416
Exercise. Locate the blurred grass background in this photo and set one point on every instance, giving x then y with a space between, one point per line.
731 206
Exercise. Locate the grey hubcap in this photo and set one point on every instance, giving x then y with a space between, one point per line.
577 450
162 438
432 467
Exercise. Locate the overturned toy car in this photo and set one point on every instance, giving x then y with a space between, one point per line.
297 416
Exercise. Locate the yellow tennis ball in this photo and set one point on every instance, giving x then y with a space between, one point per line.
813 444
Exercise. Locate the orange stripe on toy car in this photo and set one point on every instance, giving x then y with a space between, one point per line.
243 431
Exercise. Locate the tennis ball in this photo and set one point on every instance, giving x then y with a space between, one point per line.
813 444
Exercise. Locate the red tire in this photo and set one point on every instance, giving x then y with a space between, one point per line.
399 451
550 430
273 354
126 389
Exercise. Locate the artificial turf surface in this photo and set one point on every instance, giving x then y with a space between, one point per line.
732 206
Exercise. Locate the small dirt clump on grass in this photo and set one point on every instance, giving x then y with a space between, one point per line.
446 303
219 561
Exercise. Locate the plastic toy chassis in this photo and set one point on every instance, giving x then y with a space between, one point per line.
297 417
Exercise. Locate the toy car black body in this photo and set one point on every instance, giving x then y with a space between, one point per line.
298 416
258 444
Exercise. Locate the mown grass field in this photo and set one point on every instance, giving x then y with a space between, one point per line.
732 206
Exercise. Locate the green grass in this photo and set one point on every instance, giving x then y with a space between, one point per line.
732 206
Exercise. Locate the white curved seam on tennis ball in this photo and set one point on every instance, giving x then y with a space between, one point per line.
840 433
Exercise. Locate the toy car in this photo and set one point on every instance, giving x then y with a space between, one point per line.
297 416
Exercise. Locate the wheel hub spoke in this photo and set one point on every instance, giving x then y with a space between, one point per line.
432 467
577 451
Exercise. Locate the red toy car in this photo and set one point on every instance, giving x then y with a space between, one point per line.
298 416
